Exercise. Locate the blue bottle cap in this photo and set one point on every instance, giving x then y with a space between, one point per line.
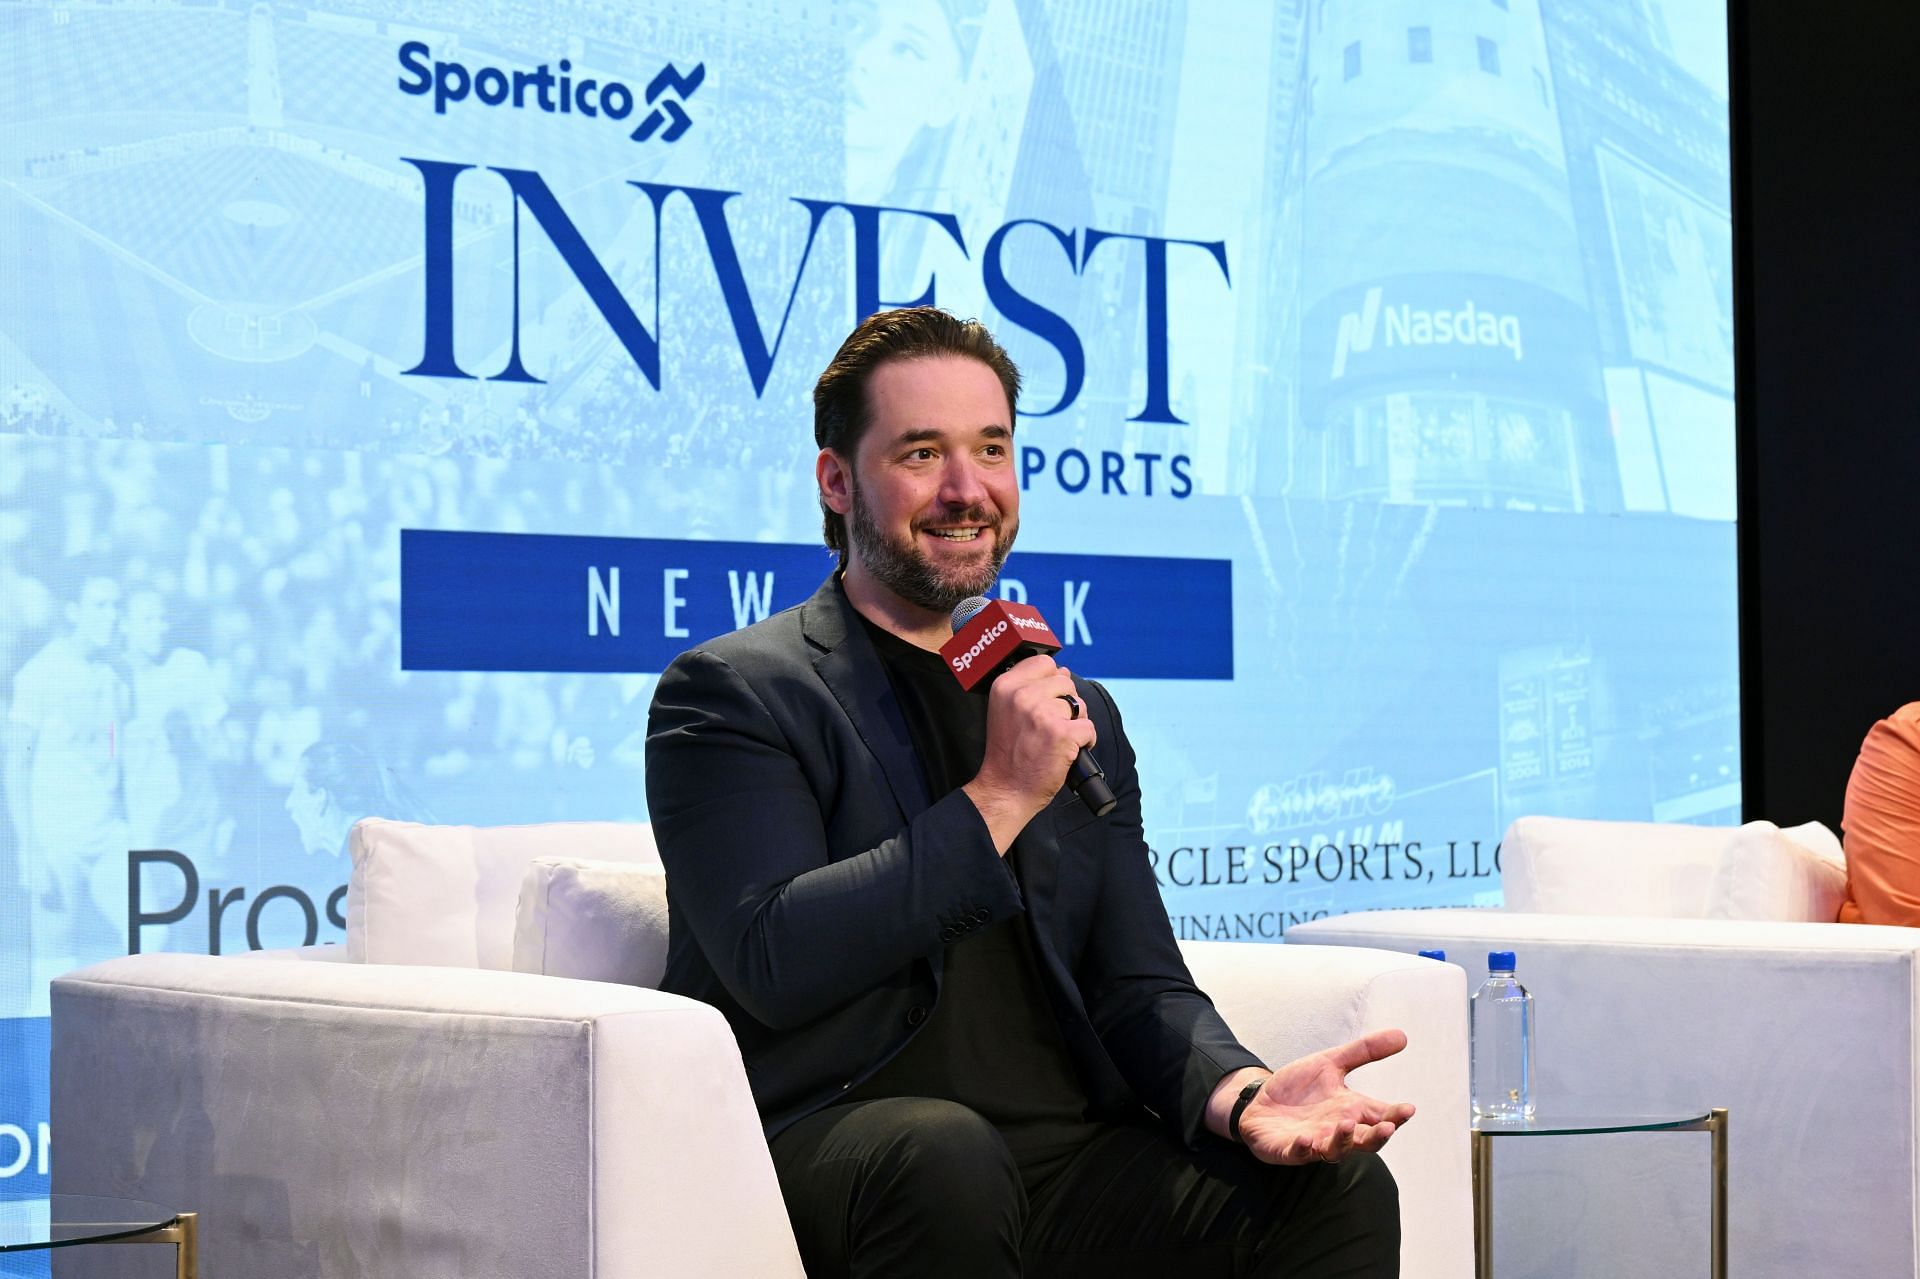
1500 961
1440 955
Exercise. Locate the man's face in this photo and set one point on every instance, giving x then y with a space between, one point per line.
903 74
146 625
934 501
96 615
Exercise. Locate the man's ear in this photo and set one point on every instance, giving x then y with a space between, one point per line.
834 474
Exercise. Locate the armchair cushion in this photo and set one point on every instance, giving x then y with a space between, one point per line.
602 921
1659 870
446 895
1798 874
1569 866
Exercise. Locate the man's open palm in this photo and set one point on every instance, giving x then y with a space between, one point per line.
1306 1113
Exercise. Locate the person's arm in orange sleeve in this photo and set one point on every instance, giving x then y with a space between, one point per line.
1881 824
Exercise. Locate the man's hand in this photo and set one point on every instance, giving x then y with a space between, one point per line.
1033 734
1305 1113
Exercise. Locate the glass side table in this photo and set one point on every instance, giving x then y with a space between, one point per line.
33 1222
1712 1122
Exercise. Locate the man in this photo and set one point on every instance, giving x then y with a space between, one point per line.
63 780
965 1020
172 736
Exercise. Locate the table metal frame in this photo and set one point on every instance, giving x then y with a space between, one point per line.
1715 1124
183 1232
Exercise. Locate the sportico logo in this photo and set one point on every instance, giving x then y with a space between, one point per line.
562 94
962 661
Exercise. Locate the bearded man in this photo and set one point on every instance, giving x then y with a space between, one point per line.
967 1026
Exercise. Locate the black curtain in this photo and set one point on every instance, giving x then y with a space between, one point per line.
1826 223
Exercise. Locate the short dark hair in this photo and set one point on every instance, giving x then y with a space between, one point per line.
360 782
840 414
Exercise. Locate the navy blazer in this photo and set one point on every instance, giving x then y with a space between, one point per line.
814 886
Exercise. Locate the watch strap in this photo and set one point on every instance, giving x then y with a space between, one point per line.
1240 1105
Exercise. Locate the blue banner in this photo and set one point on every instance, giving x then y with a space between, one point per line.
518 602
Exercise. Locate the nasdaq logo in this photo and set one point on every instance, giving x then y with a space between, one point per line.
542 90
1408 325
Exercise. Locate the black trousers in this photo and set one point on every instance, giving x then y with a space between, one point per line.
910 1186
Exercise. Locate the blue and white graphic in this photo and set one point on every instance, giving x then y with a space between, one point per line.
1387 347
513 602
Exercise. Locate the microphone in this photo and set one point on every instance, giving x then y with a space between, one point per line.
991 635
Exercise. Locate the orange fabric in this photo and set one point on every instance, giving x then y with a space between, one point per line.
1881 824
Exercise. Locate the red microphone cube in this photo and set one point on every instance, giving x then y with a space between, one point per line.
997 635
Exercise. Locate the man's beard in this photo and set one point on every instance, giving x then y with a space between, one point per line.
903 568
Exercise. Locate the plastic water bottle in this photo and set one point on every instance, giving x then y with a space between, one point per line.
1440 955
1502 1044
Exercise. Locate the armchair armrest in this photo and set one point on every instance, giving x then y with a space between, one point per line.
1287 1001
340 1118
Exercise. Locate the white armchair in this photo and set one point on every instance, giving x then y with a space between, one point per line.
1805 1030
405 1105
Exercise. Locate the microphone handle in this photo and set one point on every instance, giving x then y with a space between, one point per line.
1086 779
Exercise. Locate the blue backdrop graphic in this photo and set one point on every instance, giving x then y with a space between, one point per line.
1391 342
513 602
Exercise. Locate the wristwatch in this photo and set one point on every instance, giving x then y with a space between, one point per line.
1240 1105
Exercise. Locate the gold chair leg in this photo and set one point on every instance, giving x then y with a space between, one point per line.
1482 1205
1717 1127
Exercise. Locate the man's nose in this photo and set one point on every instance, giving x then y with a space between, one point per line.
961 483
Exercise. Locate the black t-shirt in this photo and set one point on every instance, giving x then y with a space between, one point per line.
991 1042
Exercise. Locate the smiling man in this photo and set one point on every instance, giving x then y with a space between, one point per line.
967 1025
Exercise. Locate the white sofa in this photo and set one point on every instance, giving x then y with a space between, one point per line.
405 1105
1805 1030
